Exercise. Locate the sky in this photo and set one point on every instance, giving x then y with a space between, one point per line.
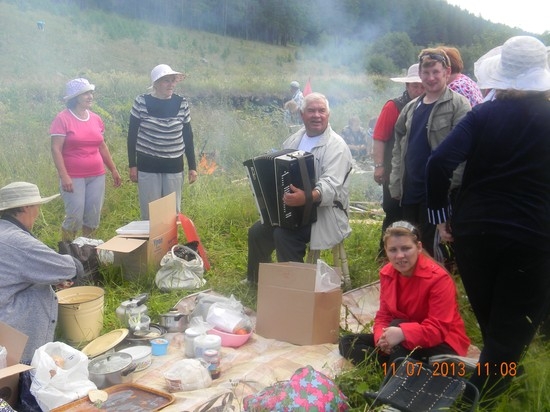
528 15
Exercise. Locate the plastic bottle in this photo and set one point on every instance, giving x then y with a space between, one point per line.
205 342
212 358
189 340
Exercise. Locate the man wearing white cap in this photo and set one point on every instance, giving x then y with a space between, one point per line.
500 220
292 106
383 141
159 135
29 268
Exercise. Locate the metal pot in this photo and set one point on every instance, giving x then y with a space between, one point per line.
111 369
174 321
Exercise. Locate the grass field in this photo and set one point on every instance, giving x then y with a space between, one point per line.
117 55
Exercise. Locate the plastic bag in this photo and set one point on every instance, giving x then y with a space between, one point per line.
205 300
187 375
326 277
179 273
60 375
228 318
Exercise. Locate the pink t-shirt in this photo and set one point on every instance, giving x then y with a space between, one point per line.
82 141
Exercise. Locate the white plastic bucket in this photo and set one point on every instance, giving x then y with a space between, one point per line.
80 314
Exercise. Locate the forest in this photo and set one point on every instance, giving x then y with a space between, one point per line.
394 30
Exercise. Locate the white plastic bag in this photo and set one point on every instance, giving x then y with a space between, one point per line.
178 273
187 375
326 277
60 375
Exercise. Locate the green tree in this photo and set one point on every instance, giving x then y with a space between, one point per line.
397 47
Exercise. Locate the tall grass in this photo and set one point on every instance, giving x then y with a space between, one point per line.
109 52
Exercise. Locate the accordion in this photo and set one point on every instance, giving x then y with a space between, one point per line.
270 176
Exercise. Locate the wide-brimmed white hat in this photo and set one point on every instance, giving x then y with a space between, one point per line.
20 194
521 63
411 77
164 70
76 87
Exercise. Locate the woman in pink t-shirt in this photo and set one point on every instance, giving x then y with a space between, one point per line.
80 156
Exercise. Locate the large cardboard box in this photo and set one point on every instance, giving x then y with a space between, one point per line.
289 309
14 342
137 253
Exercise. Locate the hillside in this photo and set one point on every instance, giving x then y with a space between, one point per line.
90 43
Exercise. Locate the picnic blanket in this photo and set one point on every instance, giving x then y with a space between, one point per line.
261 362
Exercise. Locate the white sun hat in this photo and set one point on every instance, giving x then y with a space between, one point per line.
18 194
76 87
164 70
411 77
521 63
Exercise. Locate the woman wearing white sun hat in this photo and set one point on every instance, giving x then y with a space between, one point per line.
80 155
159 135
500 220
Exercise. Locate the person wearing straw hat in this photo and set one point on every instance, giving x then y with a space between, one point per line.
159 135
30 269
383 141
500 220
80 155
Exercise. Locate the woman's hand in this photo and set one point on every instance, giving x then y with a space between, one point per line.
391 337
445 232
133 173
117 181
67 184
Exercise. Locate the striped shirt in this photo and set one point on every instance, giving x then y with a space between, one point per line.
159 134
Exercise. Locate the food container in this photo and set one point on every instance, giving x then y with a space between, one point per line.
205 342
174 321
141 356
231 340
159 346
111 369
137 323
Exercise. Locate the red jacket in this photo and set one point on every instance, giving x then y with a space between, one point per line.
427 303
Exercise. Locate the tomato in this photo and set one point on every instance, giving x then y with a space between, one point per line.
241 331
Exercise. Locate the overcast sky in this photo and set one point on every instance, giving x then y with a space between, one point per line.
529 15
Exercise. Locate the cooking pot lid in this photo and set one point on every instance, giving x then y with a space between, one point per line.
105 342
109 363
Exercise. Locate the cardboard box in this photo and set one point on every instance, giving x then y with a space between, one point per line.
289 309
14 342
139 254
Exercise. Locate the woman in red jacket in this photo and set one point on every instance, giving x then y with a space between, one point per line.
418 314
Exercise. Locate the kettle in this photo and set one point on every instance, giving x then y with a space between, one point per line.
174 320
137 302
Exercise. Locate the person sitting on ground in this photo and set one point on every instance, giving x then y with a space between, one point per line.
418 314
330 194
30 271
356 138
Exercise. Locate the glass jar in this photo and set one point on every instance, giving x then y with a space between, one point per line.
212 358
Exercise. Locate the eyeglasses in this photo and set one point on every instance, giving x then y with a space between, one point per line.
437 57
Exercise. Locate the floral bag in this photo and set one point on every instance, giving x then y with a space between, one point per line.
307 390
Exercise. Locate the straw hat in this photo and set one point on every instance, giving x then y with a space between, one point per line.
521 63
76 87
20 194
411 77
164 70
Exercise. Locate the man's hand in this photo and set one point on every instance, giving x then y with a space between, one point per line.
445 232
296 197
